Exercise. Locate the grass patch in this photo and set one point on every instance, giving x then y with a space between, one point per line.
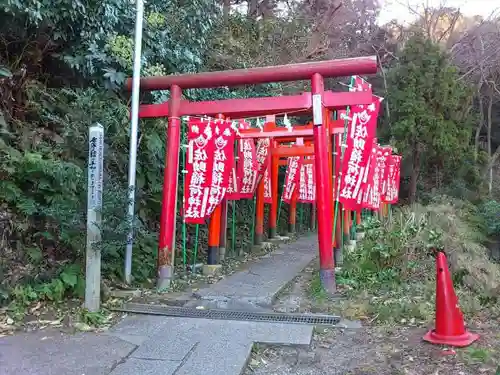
390 276
477 355
316 291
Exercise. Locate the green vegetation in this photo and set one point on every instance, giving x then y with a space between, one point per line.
390 276
430 120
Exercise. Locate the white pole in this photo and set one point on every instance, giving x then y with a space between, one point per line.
94 206
134 126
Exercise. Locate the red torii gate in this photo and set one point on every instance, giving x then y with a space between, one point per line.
316 101
279 137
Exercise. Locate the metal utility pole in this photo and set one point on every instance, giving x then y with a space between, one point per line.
134 128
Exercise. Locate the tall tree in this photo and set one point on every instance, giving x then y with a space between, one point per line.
430 112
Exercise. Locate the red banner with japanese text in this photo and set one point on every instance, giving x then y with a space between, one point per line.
232 188
223 139
311 183
292 177
393 179
302 184
268 197
367 194
247 167
385 176
383 154
377 176
307 185
361 132
199 165
263 157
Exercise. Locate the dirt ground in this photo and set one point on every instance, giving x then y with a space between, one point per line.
371 348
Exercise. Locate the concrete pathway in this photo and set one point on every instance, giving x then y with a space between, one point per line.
156 345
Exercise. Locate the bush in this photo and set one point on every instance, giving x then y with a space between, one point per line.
490 212
391 273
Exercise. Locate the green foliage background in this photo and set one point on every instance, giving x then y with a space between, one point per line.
62 66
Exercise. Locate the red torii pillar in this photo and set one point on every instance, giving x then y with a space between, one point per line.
316 72
273 210
259 199
323 187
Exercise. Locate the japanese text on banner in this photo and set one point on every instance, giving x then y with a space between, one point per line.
223 161
367 193
247 168
292 177
232 189
198 167
302 184
393 179
378 175
307 189
385 176
263 156
268 197
361 131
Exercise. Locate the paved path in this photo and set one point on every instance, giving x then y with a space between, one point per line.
199 346
156 345
263 279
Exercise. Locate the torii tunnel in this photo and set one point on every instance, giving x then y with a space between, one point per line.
317 101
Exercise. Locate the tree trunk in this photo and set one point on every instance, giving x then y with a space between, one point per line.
414 175
226 8
481 121
253 9
490 107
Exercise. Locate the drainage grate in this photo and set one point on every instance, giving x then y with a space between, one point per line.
184 312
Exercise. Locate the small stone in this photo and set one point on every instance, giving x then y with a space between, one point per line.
124 293
280 309
83 327
307 358
10 321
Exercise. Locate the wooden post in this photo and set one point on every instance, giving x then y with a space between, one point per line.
313 217
347 223
94 206
259 213
223 231
292 214
338 250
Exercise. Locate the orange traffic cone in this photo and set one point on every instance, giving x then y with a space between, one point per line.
450 328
